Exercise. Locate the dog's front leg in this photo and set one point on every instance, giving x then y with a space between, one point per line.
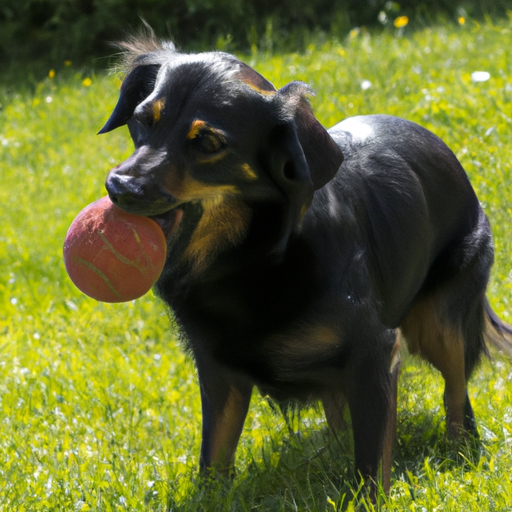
225 400
372 398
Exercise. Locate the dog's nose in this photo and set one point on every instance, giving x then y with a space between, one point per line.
137 184
139 195
122 188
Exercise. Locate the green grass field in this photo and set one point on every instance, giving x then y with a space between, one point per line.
99 408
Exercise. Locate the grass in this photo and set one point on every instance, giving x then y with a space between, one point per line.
100 408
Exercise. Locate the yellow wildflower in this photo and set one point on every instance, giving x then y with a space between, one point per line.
401 21
354 32
51 74
87 82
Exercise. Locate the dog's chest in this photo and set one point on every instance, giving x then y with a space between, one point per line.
283 342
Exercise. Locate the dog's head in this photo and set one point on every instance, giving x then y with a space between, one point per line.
210 131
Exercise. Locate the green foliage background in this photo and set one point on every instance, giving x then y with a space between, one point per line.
52 31
100 408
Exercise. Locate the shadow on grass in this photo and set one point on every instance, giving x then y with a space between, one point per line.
422 437
301 473
311 470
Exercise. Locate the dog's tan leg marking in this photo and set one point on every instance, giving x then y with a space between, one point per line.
334 407
226 433
390 433
443 346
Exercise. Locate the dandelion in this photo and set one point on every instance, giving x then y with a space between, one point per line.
87 82
462 20
401 21
67 63
480 76
51 74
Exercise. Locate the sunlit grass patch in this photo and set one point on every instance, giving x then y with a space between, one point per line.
100 408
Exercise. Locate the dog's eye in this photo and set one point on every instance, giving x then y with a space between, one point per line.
206 139
209 142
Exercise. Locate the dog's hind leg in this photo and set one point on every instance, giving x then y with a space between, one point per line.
443 346
446 327
225 401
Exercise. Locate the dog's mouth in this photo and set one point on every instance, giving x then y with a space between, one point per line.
169 221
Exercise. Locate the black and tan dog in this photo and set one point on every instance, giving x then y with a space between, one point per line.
297 255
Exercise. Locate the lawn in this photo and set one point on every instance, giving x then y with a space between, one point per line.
100 407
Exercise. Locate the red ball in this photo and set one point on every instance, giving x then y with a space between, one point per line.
111 255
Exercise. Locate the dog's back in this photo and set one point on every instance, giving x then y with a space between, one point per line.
414 203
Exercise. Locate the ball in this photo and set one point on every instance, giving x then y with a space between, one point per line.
111 255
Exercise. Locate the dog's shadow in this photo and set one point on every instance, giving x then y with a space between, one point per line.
312 468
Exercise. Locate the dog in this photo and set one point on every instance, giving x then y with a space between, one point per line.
299 257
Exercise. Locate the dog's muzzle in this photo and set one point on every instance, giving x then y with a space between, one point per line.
135 185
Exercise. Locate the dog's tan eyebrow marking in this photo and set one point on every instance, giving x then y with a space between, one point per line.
195 128
158 106
199 126
213 141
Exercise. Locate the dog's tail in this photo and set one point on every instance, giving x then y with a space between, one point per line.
497 332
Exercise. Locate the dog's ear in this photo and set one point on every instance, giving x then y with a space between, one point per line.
323 155
290 171
302 157
254 79
136 87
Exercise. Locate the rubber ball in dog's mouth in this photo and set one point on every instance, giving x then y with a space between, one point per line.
114 256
